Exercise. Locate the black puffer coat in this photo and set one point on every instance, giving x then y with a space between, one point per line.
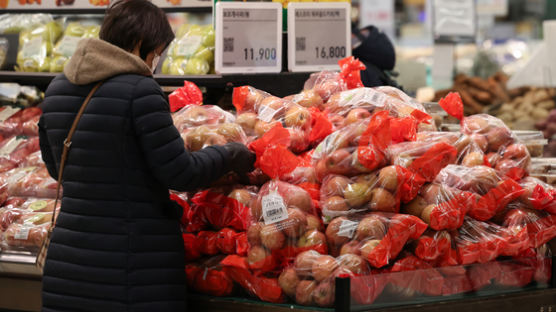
117 244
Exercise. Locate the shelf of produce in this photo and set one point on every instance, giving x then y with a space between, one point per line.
538 300
281 84
101 10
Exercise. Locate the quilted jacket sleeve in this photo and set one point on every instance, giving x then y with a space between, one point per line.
46 151
163 147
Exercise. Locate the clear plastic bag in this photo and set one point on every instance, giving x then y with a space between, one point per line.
36 47
14 150
192 52
208 277
29 182
202 136
199 115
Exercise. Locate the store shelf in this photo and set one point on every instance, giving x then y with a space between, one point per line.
525 301
58 11
281 84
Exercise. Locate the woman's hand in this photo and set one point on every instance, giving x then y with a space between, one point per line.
241 158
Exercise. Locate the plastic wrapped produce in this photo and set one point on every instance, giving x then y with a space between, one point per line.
310 280
14 150
16 121
29 181
36 46
187 95
381 190
440 206
411 274
377 237
26 235
199 115
209 278
260 286
538 195
432 245
202 136
539 226
192 52
492 193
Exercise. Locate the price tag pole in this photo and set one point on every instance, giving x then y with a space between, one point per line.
248 37
319 35
454 21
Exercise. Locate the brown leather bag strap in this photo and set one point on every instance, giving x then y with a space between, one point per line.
66 147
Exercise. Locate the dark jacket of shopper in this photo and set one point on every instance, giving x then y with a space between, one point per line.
117 244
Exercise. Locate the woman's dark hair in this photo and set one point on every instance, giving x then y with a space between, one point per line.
129 22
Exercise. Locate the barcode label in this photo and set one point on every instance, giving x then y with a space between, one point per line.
347 228
378 99
300 44
274 209
23 232
228 44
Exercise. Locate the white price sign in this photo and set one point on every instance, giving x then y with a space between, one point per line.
248 37
454 18
319 35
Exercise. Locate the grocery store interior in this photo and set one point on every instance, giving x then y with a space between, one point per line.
282 155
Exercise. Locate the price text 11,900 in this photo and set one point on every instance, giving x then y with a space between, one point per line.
332 52
263 55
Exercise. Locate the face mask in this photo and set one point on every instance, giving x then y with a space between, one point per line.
156 58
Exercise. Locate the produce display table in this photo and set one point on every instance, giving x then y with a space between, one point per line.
24 295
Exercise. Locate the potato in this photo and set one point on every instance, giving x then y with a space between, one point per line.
539 113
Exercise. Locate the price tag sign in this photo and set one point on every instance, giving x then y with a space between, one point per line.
319 35
248 37
454 18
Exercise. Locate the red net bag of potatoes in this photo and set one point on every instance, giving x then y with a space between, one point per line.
538 195
540 259
359 148
284 219
196 138
415 275
211 243
432 245
492 193
187 95
481 242
199 115
381 190
349 106
260 114
263 287
539 226
223 207
440 206
208 277
311 278
377 237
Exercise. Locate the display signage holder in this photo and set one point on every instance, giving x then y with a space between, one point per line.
319 35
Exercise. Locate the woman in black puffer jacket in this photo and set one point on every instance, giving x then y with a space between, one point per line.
117 243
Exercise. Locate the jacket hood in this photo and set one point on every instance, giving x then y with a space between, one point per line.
96 60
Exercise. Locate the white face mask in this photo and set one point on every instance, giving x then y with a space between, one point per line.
156 58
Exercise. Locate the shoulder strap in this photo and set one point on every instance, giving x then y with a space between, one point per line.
66 147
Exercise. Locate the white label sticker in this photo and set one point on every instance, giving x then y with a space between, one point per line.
23 232
67 46
274 209
10 146
8 112
188 45
33 48
347 228
266 113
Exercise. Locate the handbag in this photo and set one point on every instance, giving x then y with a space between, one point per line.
67 145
